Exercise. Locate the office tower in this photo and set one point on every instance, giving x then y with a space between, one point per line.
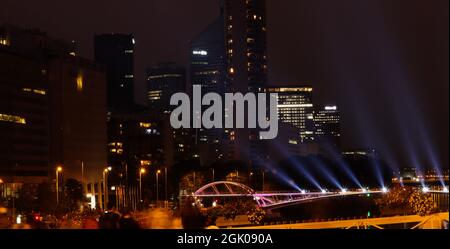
116 53
209 70
295 107
245 39
163 81
53 110
230 56
327 126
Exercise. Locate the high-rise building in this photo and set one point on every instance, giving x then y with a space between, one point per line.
53 109
116 53
327 126
245 39
209 70
230 56
295 107
163 81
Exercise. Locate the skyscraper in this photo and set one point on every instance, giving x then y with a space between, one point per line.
163 81
246 52
52 108
209 70
295 107
230 56
327 126
116 53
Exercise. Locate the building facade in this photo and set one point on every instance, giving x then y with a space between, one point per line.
231 56
53 110
116 53
163 81
327 126
295 107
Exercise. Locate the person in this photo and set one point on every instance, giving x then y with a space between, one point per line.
127 221
109 220
211 223
191 217
90 223
4 219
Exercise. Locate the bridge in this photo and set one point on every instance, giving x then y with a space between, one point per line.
434 221
223 189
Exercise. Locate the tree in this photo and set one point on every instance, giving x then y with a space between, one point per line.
421 204
407 200
192 181
231 209
74 194
256 215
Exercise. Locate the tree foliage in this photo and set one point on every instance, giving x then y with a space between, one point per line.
408 200
231 209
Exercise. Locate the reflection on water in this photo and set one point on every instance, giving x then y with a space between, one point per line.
329 208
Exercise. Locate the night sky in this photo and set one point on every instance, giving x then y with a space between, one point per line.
383 62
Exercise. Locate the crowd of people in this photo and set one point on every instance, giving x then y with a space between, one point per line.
189 217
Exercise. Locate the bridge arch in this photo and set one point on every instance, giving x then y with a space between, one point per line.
224 187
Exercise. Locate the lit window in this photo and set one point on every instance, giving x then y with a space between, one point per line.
145 125
12 118
79 81
200 52
37 91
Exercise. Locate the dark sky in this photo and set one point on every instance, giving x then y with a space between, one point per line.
383 62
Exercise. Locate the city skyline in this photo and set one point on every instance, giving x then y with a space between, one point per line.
224 114
325 52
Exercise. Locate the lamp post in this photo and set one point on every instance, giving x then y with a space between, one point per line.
157 186
142 171
165 186
1 190
82 177
58 170
213 176
105 187
263 179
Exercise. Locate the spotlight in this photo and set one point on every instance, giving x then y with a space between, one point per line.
425 189
324 191
364 190
445 189
344 190
384 190
303 191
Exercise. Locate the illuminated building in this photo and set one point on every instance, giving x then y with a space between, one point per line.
116 53
295 107
132 139
209 70
230 56
163 81
327 126
24 118
52 111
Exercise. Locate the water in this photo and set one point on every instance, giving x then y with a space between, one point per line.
340 207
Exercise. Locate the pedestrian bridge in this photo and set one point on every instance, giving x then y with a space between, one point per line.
270 199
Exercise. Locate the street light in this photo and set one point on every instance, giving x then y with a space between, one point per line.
105 187
157 187
165 186
1 190
142 171
58 170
